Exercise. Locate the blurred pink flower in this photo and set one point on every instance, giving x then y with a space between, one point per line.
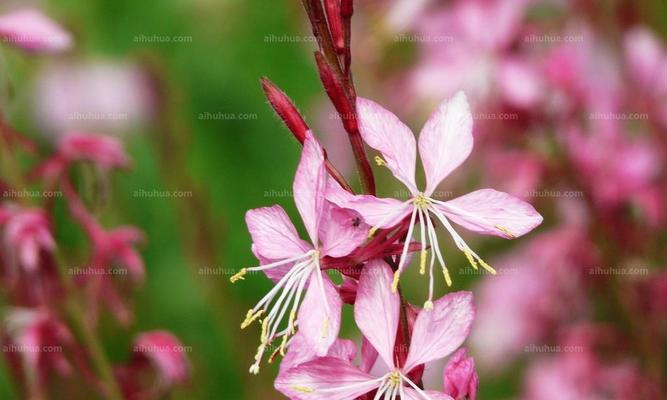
445 142
579 374
100 96
636 163
437 333
26 235
37 340
460 378
31 30
646 58
160 355
537 287
293 263
459 54
105 152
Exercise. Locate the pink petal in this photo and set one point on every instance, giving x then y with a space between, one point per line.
325 379
520 82
384 132
376 310
368 355
319 327
440 331
273 234
646 58
31 30
105 151
166 353
446 140
491 212
460 378
378 212
411 394
341 231
301 352
310 185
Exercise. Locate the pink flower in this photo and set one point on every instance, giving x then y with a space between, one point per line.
105 152
37 339
461 55
27 234
461 380
444 143
157 352
646 58
538 287
99 96
294 263
437 332
31 30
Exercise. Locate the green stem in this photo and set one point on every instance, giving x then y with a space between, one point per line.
75 316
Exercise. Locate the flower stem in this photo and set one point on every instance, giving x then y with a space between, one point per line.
83 331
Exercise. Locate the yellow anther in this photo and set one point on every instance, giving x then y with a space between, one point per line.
325 328
265 331
290 323
380 162
283 346
394 284
254 369
395 378
239 276
428 306
487 266
303 389
422 201
506 231
372 231
470 258
448 279
250 318
422 261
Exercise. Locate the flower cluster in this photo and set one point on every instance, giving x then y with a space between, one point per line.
573 107
368 241
53 292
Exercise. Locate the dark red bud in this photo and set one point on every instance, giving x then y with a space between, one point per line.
285 109
335 20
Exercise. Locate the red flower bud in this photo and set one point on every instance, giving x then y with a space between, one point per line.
285 109
335 20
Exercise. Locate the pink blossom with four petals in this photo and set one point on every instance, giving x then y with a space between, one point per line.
294 264
444 143
436 334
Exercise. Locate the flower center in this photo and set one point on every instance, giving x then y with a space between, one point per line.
422 201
